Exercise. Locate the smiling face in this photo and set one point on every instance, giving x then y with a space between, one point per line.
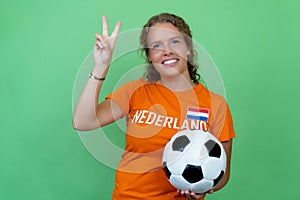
168 50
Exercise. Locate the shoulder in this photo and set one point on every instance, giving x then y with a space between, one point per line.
217 97
135 84
204 92
214 100
131 87
214 96
218 104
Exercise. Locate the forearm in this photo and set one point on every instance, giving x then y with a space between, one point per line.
86 112
223 182
85 115
227 147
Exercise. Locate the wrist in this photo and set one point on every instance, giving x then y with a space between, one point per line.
92 76
99 71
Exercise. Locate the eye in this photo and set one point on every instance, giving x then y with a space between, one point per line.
156 46
175 41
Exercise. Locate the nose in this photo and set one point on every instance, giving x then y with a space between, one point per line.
167 50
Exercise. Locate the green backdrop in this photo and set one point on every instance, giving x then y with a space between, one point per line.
255 45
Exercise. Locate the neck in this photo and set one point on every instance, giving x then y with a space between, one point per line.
177 84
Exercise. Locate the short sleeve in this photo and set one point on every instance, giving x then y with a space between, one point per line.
122 95
222 124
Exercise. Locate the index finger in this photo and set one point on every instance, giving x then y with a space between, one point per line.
116 30
104 26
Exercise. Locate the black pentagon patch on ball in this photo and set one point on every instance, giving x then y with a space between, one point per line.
192 173
180 143
166 170
213 148
217 180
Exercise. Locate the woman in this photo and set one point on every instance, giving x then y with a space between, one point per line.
155 107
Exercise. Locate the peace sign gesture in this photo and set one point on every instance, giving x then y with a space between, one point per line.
104 46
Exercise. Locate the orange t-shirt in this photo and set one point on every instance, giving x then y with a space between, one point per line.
154 114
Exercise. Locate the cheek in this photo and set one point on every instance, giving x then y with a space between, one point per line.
154 56
182 52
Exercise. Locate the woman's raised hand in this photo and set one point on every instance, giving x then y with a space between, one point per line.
104 46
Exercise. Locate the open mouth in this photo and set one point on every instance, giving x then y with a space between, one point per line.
170 61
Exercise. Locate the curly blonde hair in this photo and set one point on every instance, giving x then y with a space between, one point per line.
151 74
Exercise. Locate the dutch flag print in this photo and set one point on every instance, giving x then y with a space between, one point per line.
197 113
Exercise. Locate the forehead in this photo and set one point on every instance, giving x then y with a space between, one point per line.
163 31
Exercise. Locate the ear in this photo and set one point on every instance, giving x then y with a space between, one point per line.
188 52
188 55
149 60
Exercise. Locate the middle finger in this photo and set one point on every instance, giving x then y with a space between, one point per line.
104 26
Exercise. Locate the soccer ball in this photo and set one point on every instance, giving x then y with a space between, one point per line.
194 160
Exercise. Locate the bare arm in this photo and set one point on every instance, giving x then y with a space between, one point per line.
88 114
227 147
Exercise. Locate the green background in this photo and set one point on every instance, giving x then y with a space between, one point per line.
255 45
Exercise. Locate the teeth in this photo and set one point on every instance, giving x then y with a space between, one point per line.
169 61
